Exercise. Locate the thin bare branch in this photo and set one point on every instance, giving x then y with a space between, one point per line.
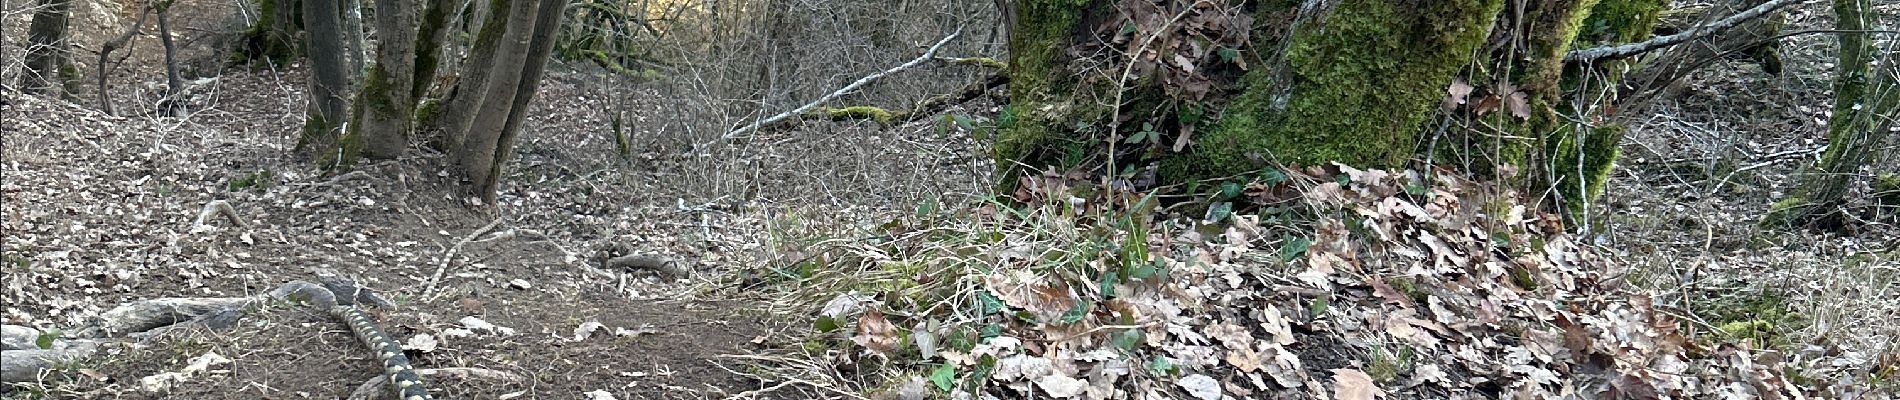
1631 49
927 56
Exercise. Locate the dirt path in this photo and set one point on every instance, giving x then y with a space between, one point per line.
102 210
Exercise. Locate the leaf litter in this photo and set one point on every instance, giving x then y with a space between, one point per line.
1363 284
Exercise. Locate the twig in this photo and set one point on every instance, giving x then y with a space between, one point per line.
450 257
1631 49
928 55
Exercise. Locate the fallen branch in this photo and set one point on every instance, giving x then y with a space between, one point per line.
927 56
446 259
376 388
977 61
1630 49
923 109
636 262
218 207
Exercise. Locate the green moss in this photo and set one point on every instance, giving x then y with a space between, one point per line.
1384 367
257 181
1039 89
1593 158
1362 85
1887 189
1408 286
1619 21
428 52
859 112
1760 316
427 111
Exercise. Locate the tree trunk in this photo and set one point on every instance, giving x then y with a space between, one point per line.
171 105
476 154
329 82
547 25
430 37
47 64
356 48
383 113
273 36
1865 102
458 110
105 53
1362 82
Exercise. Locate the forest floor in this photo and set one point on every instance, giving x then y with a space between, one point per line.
101 210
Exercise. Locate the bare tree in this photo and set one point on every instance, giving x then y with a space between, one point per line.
47 65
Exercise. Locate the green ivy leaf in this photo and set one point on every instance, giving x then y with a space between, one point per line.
1272 176
1081 309
988 303
45 340
1128 27
1229 189
1161 366
990 331
944 376
1292 247
1126 339
1227 54
1220 211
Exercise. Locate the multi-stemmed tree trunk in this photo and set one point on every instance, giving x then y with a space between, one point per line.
478 120
47 66
1866 101
487 140
1214 89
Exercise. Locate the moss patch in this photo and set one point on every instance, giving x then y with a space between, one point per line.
859 112
1362 85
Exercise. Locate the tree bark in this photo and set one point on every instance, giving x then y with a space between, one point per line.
329 83
356 47
383 113
430 38
172 105
457 111
547 25
46 58
485 129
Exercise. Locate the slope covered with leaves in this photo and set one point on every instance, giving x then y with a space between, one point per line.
1343 283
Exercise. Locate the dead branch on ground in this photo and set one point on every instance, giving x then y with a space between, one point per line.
923 109
218 207
450 257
